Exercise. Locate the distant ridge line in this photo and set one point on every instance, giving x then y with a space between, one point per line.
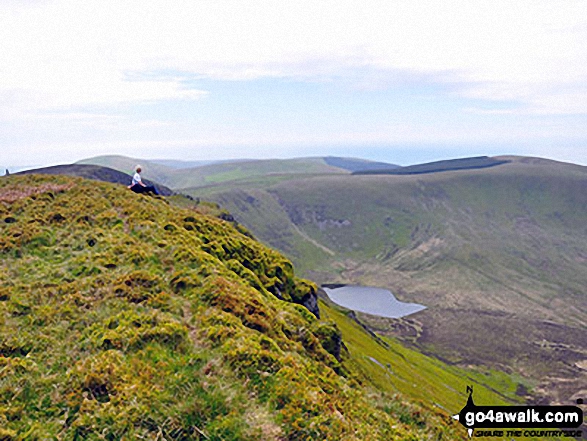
439 166
95 172
357 165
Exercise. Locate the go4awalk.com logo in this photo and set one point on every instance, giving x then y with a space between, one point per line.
520 421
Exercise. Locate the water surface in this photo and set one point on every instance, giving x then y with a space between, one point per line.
375 301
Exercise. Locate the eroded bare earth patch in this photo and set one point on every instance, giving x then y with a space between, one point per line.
13 193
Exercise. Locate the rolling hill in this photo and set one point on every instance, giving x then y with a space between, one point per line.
124 316
435 167
356 165
179 176
151 170
499 251
94 172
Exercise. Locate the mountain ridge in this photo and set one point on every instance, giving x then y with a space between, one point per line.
232 170
137 318
508 238
470 163
94 172
531 205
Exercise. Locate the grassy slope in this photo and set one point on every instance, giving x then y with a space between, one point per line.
225 172
437 166
151 170
506 239
385 213
516 232
510 239
397 369
136 319
431 383
356 164
217 173
95 172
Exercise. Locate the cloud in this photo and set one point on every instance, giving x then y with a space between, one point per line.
68 53
81 78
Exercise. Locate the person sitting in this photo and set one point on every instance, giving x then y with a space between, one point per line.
137 184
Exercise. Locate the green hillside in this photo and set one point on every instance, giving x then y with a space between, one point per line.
95 172
500 249
357 165
259 172
123 316
151 170
232 171
437 166
220 172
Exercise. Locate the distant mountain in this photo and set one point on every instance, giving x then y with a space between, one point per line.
178 174
94 172
126 317
15 169
156 172
177 164
358 165
435 167
499 244
255 169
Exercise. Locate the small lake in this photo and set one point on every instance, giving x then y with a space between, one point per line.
375 301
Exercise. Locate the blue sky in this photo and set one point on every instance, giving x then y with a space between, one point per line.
402 82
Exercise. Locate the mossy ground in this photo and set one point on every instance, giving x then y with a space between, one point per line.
497 255
124 317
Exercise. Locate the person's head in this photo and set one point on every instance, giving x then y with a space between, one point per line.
138 169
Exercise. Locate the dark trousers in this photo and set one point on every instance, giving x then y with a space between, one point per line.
137 188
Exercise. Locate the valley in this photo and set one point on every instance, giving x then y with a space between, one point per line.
496 250
496 254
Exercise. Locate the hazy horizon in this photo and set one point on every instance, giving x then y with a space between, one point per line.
23 167
396 82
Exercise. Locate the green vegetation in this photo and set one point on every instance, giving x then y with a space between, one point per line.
437 166
429 383
222 172
151 170
96 172
125 317
356 165
497 254
394 368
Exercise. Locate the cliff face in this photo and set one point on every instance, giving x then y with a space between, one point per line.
123 317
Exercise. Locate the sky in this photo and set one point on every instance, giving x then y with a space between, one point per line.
397 81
